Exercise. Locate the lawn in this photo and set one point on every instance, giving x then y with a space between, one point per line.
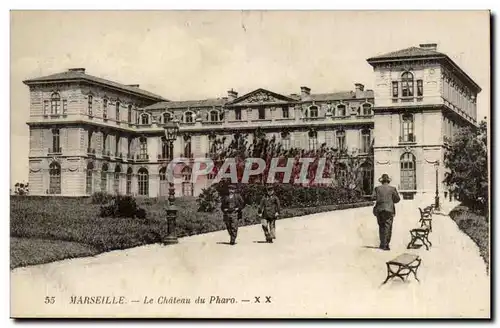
45 229
476 227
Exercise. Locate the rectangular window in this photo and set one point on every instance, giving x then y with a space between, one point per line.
105 109
143 150
129 114
90 100
313 143
365 141
420 88
104 143
262 113
237 114
55 141
341 140
117 146
118 112
395 89
65 106
45 107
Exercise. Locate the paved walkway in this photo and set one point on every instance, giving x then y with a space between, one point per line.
322 265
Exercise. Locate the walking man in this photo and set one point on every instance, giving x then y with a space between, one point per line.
232 204
269 211
386 196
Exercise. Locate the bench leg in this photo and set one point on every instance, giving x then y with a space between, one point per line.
415 268
389 274
424 242
427 238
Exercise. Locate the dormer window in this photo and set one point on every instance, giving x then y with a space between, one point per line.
167 117
144 119
367 109
214 116
313 111
188 117
341 110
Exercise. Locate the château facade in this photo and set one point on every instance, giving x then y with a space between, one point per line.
89 134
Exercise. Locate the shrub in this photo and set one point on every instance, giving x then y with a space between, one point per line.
122 207
208 200
101 198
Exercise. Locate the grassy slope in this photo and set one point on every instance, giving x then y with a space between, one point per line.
49 228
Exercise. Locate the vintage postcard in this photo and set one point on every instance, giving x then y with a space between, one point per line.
250 164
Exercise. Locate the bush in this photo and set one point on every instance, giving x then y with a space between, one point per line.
122 207
291 195
101 198
208 200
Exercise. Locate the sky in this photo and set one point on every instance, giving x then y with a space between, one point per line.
183 55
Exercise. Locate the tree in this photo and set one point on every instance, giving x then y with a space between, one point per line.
467 161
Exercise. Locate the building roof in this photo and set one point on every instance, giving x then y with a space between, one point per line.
79 74
411 52
342 95
423 52
188 103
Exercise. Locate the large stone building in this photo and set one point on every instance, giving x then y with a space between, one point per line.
88 134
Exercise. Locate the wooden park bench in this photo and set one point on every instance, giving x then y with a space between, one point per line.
426 217
419 234
402 266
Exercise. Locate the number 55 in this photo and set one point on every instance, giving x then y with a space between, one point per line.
50 299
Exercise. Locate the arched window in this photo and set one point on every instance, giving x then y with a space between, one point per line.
104 178
367 109
116 180
367 178
129 181
90 100
366 140
407 84
407 128
89 179
313 111
55 178
55 103
163 182
188 117
167 117
144 118
187 185
408 177
143 182
105 109
341 110
214 116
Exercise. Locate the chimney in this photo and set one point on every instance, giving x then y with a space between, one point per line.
359 87
232 95
305 92
429 46
133 85
78 70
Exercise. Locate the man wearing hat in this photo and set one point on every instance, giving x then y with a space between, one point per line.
231 205
269 211
386 196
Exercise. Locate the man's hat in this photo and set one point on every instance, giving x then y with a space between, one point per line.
384 178
231 187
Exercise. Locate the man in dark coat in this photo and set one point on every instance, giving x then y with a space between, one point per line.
386 196
269 211
231 205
